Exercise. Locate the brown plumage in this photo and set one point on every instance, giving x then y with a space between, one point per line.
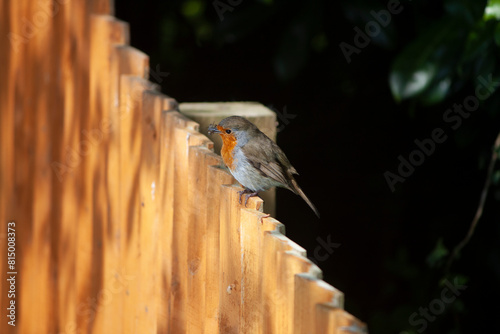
254 159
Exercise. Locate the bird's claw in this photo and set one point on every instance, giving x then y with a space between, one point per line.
248 193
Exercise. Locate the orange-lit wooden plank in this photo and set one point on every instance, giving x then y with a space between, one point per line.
252 244
274 242
149 218
169 121
131 90
183 138
269 246
166 190
124 60
66 117
309 291
334 320
33 184
286 268
80 46
165 215
294 262
200 158
129 61
73 63
105 31
216 177
7 151
326 318
102 7
348 323
230 260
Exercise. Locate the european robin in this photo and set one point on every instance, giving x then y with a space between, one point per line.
254 159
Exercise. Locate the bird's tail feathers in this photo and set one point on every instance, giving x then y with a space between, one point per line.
299 191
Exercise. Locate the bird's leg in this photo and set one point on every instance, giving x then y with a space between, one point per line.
248 193
244 191
247 196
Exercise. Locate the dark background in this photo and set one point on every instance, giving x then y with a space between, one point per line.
350 126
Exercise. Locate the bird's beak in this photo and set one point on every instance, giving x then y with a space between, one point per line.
213 128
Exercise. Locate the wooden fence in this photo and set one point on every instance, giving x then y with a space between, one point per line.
121 218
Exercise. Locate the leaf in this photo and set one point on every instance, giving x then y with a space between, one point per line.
439 93
492 10
426 62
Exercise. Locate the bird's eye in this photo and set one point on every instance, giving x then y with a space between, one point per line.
228 131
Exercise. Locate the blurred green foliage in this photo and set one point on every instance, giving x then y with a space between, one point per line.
451 56
459 47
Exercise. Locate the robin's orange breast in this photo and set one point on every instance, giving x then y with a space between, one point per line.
228 145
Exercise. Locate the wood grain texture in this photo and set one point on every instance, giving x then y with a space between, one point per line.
124 60
184 137
131 104
166 189
217 176
309 291
7 153
253 276
200 158
105 31
150 211
331 319
229 261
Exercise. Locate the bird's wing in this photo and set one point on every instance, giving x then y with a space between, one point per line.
271 163
274 164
